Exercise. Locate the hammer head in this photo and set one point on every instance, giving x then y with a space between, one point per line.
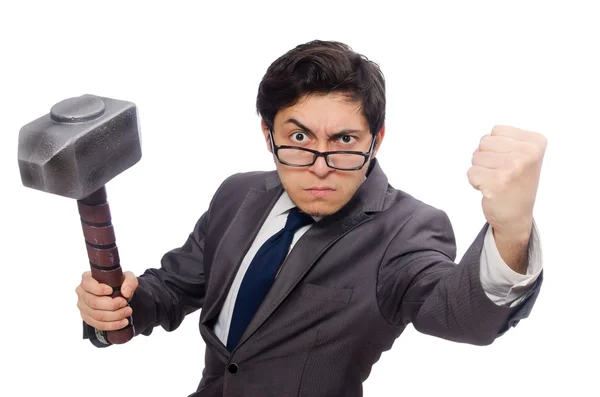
79 146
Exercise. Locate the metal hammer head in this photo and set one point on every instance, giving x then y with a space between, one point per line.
79 146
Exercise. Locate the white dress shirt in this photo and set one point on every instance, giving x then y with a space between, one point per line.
501 284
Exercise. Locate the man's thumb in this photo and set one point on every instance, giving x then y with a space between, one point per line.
130 283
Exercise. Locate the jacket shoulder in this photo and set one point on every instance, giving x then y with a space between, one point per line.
234 189
401 202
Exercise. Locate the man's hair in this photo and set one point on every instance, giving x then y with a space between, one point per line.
322 67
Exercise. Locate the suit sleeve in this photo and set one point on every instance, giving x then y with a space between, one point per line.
167 294
420 283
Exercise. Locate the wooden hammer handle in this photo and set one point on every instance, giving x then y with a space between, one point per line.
102 252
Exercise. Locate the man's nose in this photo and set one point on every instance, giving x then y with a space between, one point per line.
320 167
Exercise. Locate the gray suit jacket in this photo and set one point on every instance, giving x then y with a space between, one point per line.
347 290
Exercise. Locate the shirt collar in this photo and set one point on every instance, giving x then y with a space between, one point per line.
283 205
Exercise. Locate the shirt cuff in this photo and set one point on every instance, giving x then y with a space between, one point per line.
501 284
92 333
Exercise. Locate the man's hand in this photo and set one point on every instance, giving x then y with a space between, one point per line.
506 169
96 306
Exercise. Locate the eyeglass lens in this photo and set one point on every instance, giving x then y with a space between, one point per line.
337 160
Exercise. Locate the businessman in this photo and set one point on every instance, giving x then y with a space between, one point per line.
307 273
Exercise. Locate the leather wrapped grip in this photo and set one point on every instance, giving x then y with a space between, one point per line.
102 252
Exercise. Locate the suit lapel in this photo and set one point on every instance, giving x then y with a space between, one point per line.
235 243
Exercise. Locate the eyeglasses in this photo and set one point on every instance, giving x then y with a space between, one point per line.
339 160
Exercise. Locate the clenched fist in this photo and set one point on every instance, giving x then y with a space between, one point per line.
506 169
96 306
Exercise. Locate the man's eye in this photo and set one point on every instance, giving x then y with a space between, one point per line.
299 137
346 139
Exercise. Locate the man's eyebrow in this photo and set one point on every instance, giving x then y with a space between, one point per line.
299 124
336 135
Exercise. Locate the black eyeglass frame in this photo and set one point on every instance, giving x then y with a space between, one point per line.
325 155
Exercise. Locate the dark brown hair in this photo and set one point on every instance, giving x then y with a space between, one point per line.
321 67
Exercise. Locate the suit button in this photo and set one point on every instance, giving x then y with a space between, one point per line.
233 368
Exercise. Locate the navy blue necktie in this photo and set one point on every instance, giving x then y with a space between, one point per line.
261 273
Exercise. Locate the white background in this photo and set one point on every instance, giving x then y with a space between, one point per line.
453 71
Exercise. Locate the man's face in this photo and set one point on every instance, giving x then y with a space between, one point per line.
324 123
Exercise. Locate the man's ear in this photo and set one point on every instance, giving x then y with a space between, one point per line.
266 132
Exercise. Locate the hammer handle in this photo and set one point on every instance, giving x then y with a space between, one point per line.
102 252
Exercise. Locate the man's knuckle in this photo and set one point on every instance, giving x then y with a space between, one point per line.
94 301
90 321
98 315
88 299
513 165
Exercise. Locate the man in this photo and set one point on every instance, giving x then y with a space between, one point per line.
306 274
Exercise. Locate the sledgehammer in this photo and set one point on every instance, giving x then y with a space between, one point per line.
73 151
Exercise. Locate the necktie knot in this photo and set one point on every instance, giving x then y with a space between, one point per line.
297 219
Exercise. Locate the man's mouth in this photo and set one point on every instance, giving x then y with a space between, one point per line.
320 191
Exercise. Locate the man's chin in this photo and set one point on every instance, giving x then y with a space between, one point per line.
318 210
